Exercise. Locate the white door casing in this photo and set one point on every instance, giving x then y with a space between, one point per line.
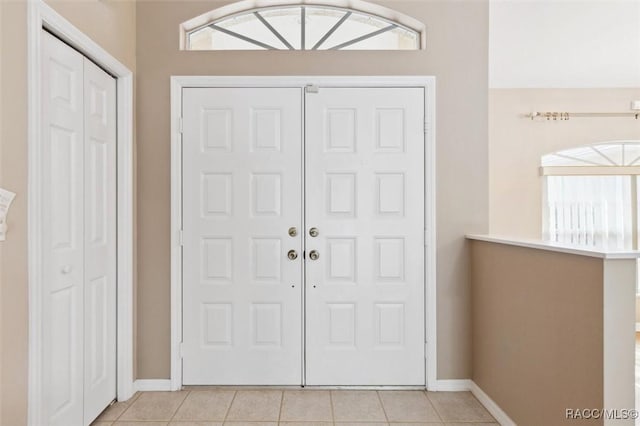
41 16
242 191
427 234
99 240
79 256
364 172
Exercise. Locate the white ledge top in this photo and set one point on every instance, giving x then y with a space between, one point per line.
560 248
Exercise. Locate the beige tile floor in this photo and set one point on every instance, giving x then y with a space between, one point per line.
268 407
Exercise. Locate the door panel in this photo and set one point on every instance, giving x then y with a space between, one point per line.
99 240
242 191
79 235
365 194
63 192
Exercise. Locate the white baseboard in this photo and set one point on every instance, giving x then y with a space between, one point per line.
153 385
456 385
490 405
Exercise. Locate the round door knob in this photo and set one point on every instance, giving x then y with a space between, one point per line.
292 255
293 231
314 255
314 232
66 269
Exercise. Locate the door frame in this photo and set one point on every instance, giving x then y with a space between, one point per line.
41 16
181 82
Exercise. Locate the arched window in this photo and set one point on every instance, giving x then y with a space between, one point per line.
317 26
591 195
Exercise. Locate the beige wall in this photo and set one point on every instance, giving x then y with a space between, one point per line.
537 331
13 382
516 145
457 54
111 24
1 59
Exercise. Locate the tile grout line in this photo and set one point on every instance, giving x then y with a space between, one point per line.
226 413
179 406
333 416
426 395
281 403
128 403
382 405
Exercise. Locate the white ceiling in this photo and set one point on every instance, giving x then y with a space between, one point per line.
564 43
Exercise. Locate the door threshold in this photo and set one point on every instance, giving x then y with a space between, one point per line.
299 387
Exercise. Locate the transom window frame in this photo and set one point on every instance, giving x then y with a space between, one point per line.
248 7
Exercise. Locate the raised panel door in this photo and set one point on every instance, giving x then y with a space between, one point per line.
242 191
364 174
99 240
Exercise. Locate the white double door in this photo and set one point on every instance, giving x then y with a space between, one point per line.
303 236
79 236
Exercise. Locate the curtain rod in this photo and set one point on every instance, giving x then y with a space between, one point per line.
563 116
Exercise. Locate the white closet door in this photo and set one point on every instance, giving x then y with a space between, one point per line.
99 240
63 232
79 235
242 191
365 196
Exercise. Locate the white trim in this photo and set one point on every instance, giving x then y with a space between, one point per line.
589 170
431 290
637 327
555 247
426 82
176 232
491 406
450 385
40 15
462 385
152 385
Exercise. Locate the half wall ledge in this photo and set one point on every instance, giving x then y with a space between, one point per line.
553 329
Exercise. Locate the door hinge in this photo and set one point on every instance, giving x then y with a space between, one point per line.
181 350
426 127
180 124
312 88
181 237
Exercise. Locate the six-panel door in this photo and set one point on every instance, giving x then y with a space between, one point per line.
364 198
242 192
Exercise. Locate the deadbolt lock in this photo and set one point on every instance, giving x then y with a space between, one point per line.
314 232
314 255
292 255
293 231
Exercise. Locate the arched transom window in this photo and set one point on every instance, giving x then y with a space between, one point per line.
302 27
591 195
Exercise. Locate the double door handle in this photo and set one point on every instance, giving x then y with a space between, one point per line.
293 232
313 254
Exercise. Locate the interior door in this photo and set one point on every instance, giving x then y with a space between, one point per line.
242 193
99 240
79 235
365 236
63 231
